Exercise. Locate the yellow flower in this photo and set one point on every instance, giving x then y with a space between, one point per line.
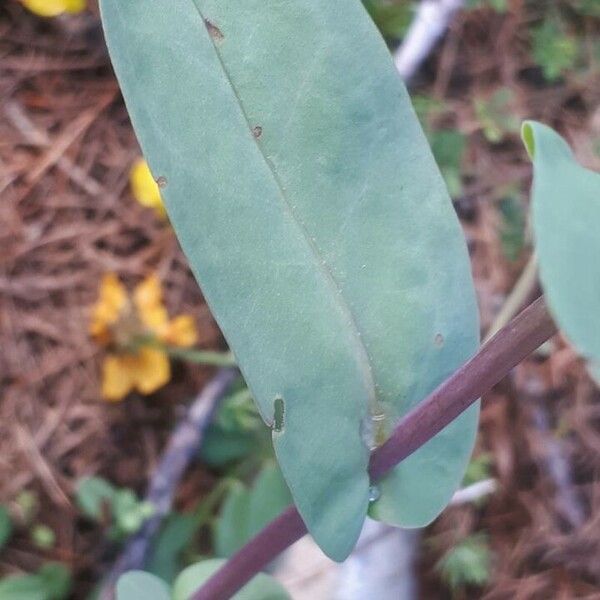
137 333
53 8
145 189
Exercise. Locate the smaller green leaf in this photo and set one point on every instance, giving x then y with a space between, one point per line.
566 221
500 6
6 526
512 232
262 587
92 495
138 585
128 512
467 564
448 148
478 469
391 17
231 528
553 50
245 512
51 582
43 536
496 115
221 448
268 498
176 533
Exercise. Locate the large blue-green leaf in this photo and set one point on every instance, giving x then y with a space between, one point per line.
305 196
566 222
261 587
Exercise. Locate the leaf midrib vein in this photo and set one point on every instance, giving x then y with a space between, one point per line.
321 264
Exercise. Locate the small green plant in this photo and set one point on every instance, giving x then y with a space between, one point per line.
51 582
496 115
392 17
554 50
119 508
500 6
514 221
6 526
467 564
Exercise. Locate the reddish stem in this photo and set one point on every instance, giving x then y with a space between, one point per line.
524 334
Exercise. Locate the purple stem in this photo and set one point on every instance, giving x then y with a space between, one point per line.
524 334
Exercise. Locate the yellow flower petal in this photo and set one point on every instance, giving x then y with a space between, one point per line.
144 188
53 8
117 378
75 6
181 331
111 301
152 370
148 301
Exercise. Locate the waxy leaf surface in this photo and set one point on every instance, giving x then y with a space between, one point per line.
566 222
306 199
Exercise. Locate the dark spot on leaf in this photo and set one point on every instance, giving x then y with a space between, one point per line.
215 33
439 340
278 414
257 131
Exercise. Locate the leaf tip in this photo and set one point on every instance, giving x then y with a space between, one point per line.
528 138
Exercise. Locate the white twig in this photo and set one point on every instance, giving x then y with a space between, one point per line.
428 26
474 492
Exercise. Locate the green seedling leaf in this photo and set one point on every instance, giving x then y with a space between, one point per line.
467 564
512 232
262 587
245 512
392 17
566 221
93 496
137 585
308 203
175 535
51 582
6 526
448 148
553 50
496 115
43 536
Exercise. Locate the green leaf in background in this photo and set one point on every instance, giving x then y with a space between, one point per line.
392 17
93 495
448 146
512 231
466 564
262 587
308 203
500 6
175 535
566 224
555 51
6 526
496 115
51 582
245 512
137 585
